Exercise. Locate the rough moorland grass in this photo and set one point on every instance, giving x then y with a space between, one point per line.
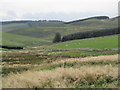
6 71
73 72
88 61
77 65
19 61
64 77
96 43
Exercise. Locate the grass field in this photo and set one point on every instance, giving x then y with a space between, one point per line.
97 43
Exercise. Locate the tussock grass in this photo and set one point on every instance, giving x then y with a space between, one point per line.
61 77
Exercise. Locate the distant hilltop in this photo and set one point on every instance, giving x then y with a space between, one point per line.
28 21
57 21
97 17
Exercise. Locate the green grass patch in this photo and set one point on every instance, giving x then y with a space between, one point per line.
95 43
101 83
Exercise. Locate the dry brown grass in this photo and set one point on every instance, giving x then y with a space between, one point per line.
59 77
104 58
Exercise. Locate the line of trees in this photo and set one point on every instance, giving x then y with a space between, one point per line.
97 17
9 47
90 34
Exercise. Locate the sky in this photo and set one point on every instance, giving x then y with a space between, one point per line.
64 10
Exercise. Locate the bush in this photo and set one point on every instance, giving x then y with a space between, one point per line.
57 38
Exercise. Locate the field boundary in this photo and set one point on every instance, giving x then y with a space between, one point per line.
85 49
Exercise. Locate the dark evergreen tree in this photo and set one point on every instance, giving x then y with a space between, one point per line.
57 38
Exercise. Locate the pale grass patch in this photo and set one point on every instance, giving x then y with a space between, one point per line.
104 58
17 65
59 77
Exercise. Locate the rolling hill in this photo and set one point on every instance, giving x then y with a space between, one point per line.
44 31
19 40
48 31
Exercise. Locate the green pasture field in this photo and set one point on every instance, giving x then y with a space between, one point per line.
107 42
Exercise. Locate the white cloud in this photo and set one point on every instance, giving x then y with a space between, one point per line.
37 8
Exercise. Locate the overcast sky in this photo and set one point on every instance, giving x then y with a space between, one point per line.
65 10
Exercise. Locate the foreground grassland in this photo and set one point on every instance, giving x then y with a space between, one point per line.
96 43
36 69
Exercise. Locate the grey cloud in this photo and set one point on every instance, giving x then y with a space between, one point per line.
10 15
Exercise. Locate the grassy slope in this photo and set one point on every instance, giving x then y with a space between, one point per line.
64 29
18 40
10 27
100 42
47 31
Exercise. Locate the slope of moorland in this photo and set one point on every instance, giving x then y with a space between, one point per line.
16 25
48 31
19 40
44 31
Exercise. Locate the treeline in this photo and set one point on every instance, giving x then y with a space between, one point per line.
90 34
29 21
8 47
12 22
98 17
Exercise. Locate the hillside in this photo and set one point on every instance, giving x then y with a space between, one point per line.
19 40
16 25
45 30
50 29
